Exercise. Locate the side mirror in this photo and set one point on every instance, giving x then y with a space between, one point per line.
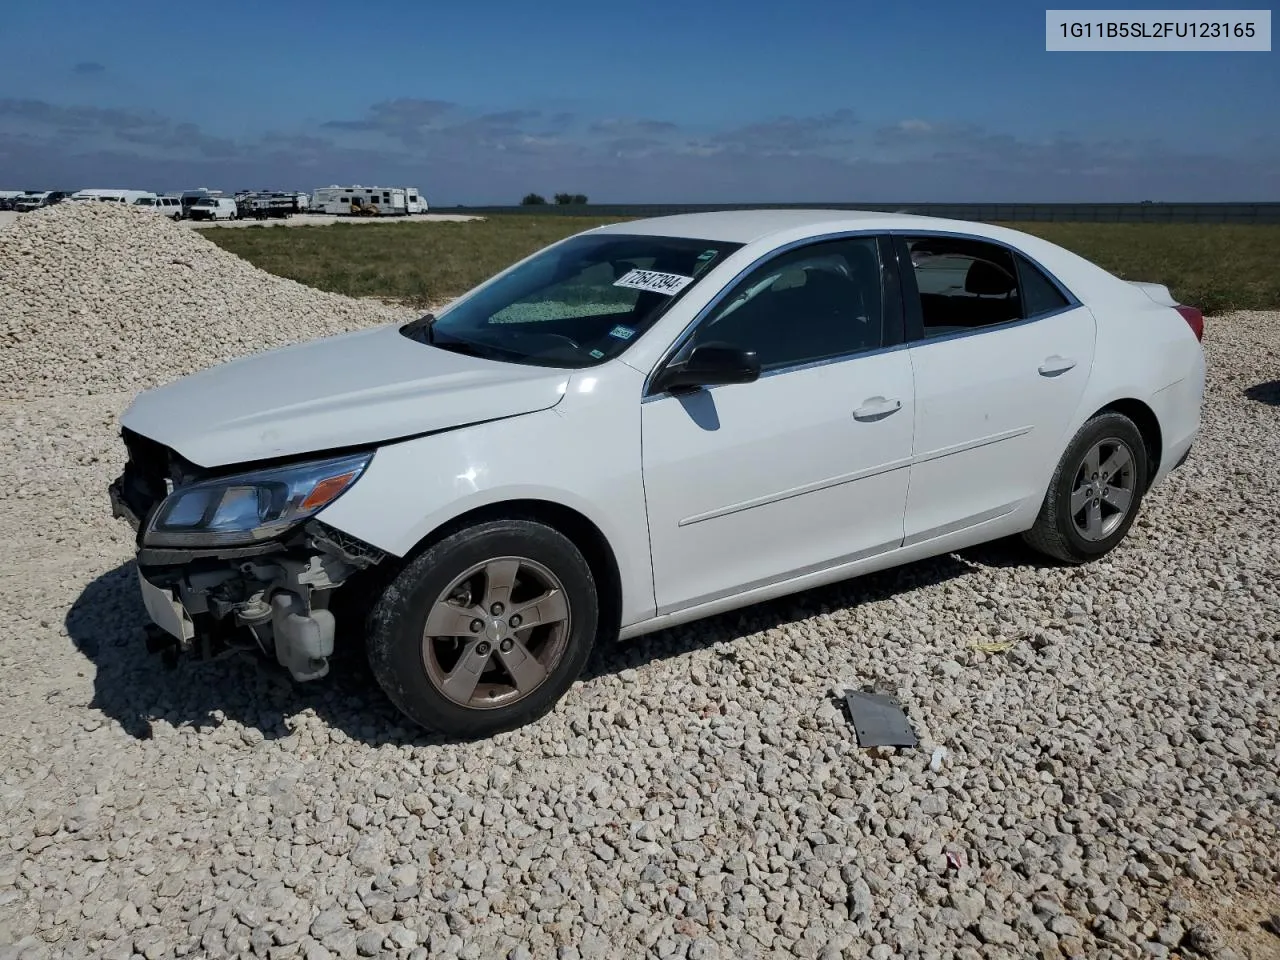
710 365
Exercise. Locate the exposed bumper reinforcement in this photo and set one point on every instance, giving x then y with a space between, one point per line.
166 611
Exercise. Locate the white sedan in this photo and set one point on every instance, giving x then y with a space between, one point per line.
645 424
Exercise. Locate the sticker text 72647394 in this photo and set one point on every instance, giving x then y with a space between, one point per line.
653 281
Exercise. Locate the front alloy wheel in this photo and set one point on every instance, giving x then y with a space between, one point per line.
486 629
496 633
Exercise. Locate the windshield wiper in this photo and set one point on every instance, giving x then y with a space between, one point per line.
420 329
464 347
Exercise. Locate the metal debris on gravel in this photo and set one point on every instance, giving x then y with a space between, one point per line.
1111 785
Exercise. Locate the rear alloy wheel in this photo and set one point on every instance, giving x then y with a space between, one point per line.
1095 492
486 629
1103 490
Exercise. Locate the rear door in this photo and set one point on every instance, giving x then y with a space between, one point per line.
1002 354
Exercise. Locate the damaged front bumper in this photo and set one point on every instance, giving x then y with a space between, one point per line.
273 595
166 612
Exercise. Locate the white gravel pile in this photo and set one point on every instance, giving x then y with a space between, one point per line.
97 297
1111 783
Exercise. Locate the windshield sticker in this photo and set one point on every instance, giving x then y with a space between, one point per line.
705 260
654 282
597 354
622 333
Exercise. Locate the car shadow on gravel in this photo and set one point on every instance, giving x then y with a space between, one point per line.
134 688
673 642
1268 393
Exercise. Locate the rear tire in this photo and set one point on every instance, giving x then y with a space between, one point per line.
1095 493
514 612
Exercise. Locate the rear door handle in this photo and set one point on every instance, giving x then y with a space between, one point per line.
877 408
1055 365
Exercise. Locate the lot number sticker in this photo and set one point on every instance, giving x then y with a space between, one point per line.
654 282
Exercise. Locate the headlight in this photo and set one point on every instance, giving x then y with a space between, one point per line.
251 507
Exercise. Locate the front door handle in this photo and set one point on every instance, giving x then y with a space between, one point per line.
877 408
1056 365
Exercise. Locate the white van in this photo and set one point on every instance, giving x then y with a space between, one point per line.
30 200
170 207
214 208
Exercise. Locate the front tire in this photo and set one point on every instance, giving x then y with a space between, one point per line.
486 629
1095 493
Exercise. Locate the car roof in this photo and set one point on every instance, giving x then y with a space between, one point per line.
745 226
784 226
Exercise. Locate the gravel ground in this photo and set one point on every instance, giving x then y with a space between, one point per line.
1111 783
122 299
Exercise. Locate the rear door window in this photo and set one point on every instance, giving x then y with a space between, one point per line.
963 285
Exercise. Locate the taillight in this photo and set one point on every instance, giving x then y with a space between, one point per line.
1195 320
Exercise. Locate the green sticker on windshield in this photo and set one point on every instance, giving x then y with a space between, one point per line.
704 260
597 354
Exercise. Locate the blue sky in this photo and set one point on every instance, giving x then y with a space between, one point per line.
481 102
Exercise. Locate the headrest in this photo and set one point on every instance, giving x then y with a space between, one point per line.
986 278
789 278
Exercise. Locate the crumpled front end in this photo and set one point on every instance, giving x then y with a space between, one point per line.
273 593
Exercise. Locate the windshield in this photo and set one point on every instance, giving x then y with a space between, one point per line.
577 304
204 203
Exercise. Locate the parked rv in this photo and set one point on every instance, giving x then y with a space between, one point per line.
214 208
367 201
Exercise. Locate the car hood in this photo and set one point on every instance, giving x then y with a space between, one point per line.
350 390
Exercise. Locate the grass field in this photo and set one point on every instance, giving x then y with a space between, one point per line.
1216 267
1212 266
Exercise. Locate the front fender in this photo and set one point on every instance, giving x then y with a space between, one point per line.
582 456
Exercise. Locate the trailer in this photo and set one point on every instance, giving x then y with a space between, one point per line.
366 201
265 204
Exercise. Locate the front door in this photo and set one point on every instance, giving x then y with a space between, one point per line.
807 467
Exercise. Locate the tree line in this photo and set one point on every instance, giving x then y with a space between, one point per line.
561 199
